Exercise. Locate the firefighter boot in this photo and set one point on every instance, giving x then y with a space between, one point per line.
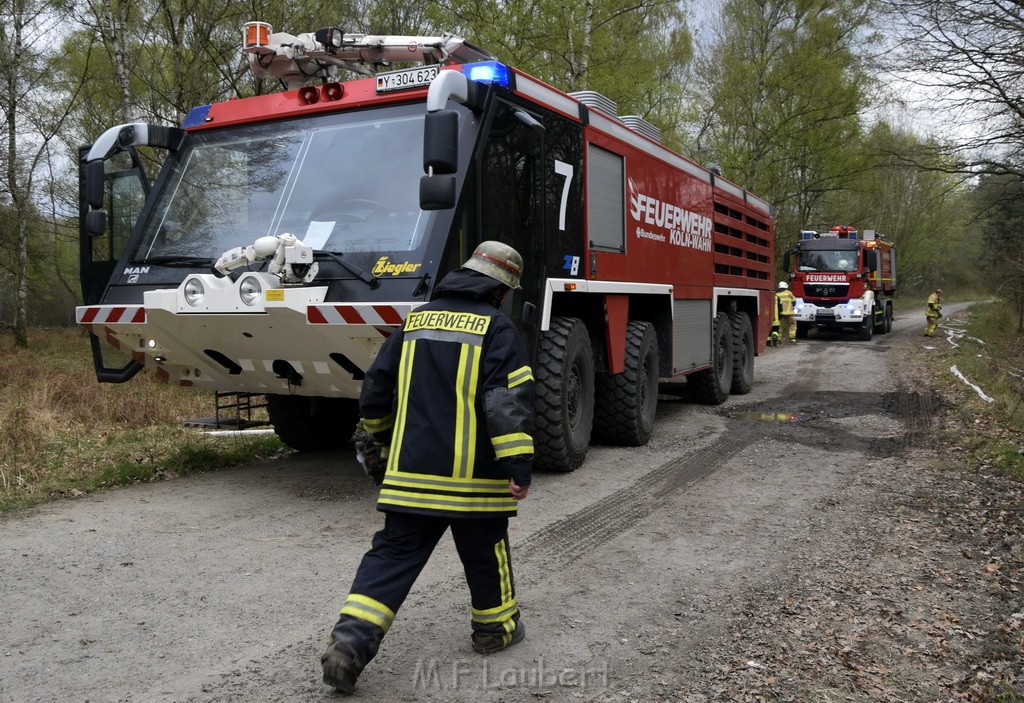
491 642
354 643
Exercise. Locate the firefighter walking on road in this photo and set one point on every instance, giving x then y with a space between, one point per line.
785 304
449 401
933 312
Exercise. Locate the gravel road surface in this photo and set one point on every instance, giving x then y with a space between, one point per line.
787 545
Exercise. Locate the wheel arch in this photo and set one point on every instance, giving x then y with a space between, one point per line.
749 301
606 308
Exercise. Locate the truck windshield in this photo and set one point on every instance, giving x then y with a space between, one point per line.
344 182
826 260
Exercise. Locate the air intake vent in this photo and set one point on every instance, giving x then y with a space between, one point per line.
639 124
596 101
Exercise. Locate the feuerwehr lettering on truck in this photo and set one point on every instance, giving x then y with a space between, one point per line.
679 226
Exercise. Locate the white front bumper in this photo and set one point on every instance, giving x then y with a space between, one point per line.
328 344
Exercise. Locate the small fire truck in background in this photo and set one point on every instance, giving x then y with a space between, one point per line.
287 235
842 279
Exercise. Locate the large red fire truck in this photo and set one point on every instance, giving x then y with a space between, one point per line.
287 235
843 279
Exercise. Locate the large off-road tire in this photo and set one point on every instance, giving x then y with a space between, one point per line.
711 386
742 353
802 329
313 424
888 320
564 375
627 402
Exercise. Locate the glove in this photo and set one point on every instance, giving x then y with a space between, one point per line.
373 457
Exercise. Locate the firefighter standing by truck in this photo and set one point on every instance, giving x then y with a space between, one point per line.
785 303
933 312
450 401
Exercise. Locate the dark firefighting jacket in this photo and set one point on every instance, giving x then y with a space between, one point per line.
451 395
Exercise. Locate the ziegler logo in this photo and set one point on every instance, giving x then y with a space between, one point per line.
384 266
685 228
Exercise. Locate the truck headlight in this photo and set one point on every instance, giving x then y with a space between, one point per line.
195 292
250 290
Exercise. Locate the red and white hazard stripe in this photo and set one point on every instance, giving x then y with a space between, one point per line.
110 314
376 315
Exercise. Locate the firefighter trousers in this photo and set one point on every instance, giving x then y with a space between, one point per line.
398 555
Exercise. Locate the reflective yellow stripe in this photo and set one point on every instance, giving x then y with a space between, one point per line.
502 613
512 444
465 411
366 608
461 504
519 376
402 392
374 425
504 572
446 483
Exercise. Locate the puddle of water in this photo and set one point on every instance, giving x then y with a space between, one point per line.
772 417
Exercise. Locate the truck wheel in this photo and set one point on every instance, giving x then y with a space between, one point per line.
867 328
565 395
627 402
743 353
888 320
711 386
880 322
802 329
313 424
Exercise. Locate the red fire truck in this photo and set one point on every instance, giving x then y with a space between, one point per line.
287 235
843 279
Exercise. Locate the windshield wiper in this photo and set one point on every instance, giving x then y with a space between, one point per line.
362 275
179 261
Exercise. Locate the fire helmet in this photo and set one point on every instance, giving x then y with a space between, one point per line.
497 260
783 285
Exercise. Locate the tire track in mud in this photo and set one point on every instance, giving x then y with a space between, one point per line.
577 535
580 533
916 411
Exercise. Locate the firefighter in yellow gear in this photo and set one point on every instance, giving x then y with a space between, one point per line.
785 308
451 396
933 312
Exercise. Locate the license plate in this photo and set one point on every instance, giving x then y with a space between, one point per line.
406 78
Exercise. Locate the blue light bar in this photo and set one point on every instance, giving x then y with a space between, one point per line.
487 72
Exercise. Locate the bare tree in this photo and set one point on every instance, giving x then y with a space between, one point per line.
33 112
966 60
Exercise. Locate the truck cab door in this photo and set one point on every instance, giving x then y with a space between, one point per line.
104 227
510 203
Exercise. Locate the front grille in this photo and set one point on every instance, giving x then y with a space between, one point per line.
826 290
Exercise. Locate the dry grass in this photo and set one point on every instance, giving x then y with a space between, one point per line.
62 433
990 355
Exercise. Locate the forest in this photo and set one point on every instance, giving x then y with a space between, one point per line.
900 116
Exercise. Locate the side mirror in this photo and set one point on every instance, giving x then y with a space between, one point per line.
94 184
437 192
96 223
441 142
786 258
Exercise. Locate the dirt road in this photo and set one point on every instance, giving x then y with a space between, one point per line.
788 545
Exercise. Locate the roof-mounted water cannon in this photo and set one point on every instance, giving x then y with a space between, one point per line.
843 232
298 59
